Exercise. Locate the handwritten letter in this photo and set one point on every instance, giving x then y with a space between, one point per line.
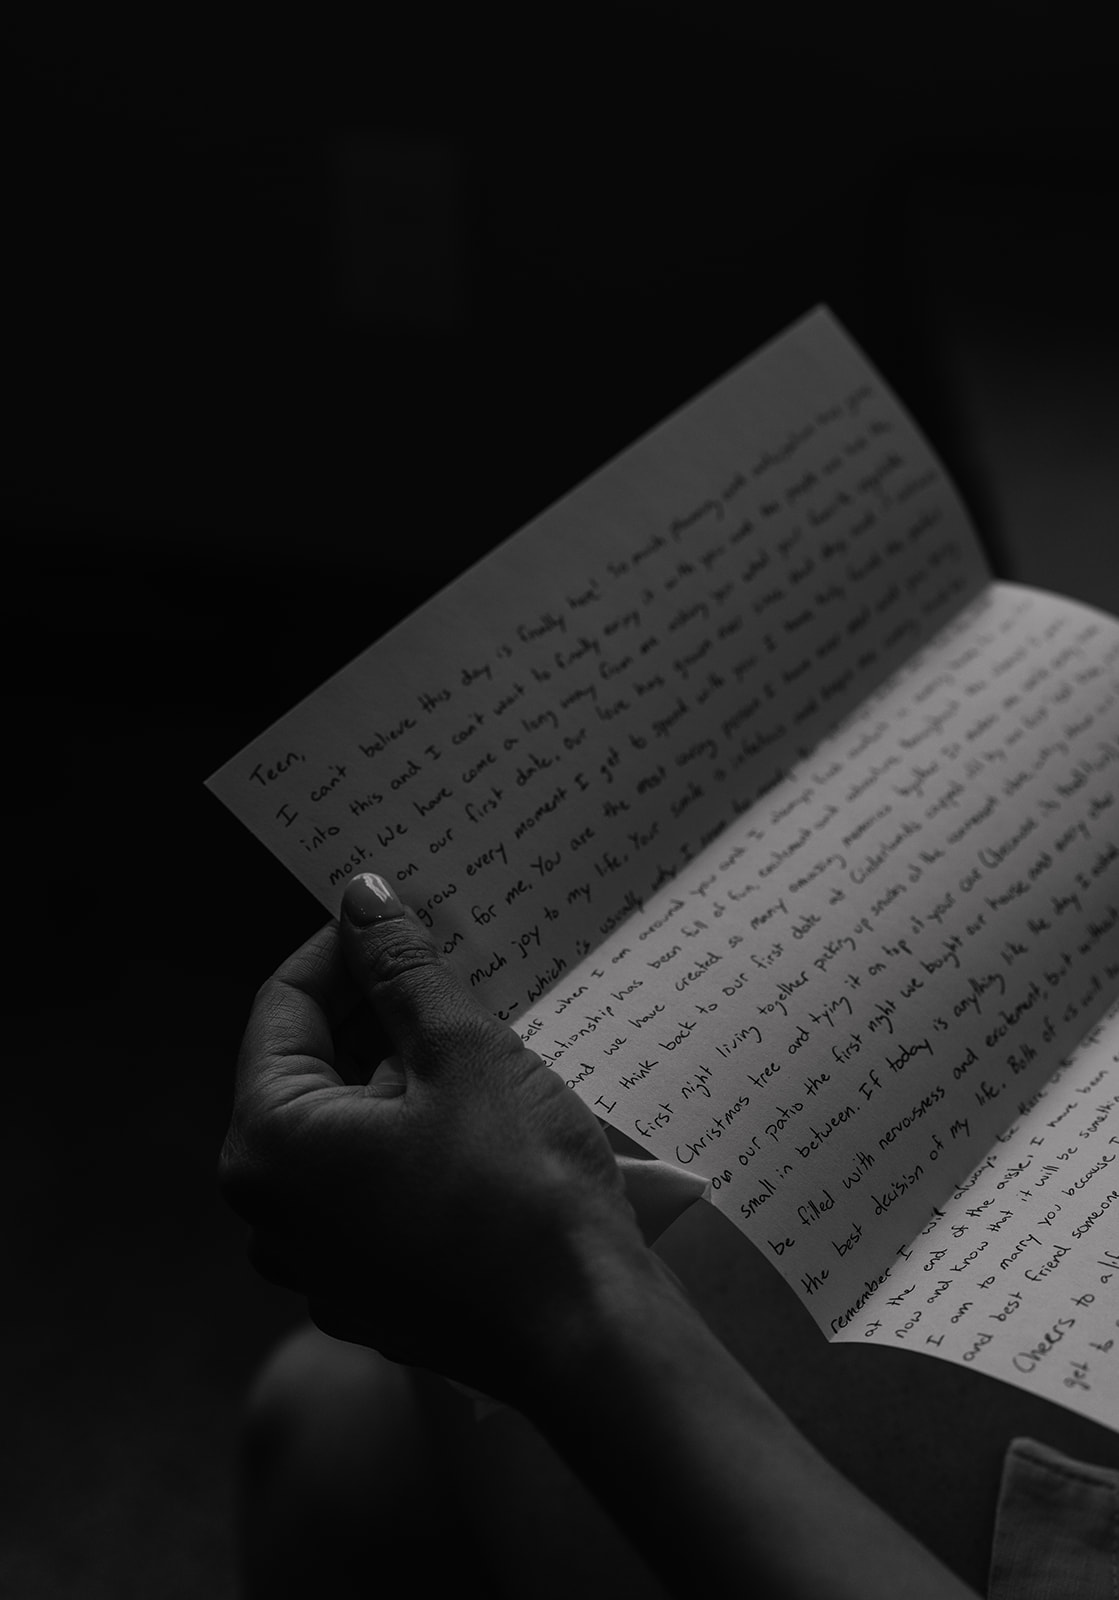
1017 1274
530 756
851 993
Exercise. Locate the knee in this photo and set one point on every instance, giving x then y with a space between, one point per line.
310 1369
327 1433
316 1397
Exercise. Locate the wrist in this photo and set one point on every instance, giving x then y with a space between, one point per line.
626 1299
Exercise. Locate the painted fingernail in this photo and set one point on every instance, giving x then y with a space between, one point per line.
368 898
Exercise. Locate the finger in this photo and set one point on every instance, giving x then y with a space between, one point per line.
388 1080
288 1047
427 1012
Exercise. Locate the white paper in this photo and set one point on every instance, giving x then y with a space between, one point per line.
839 1007
1017 1275
532 753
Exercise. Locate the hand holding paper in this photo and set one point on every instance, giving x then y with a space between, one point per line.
463 1211
455 1216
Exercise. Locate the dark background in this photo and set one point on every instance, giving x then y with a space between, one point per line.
299 320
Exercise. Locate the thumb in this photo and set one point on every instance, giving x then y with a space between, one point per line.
418 999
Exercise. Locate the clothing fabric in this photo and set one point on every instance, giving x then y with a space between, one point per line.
1056 1528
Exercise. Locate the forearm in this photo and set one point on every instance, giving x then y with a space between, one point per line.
705 1474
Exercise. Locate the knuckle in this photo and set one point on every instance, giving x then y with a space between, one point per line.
236 1182
231 1160
243 1172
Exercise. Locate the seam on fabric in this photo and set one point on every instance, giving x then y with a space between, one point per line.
1080 1476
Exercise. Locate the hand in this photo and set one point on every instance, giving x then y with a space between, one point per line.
456 1209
